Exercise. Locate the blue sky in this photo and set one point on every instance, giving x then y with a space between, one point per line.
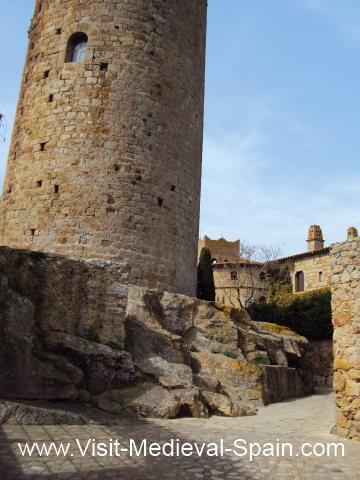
282 116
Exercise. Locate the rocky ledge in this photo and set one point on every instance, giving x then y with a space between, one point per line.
165 355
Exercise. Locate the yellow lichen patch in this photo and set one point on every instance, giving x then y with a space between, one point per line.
254 394
279 329
243 366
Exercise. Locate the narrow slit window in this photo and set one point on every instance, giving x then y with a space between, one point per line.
51 98
76 49
39 184
32 232
46 73
56 188
42 146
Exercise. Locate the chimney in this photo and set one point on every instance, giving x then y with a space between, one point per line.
315 239
352 233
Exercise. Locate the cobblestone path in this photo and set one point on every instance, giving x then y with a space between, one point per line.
297 421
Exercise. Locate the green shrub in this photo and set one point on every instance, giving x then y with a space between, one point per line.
308 313
229 354
259 359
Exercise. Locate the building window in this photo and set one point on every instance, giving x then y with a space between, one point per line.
76 49
320 277
262 276
234 275
299 281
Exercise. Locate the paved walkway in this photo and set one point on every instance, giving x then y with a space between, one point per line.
298 421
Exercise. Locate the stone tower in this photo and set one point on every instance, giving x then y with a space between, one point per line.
352 233
105 159
315 239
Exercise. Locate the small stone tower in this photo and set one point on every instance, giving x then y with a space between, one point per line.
352 233
105 159
315 239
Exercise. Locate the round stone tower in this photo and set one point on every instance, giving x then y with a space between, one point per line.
105 159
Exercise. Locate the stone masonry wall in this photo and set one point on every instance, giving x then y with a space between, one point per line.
345 281
312 266
323 362
105 159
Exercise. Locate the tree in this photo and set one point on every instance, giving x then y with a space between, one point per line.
205 277
244 279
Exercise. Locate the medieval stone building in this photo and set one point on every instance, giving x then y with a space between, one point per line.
105 159
240 280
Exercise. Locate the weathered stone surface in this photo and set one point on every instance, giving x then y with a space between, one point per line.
176 347
102 366
149 399
185 343
345 266
239 380
23 371
280 383
24 412
14 413
323 360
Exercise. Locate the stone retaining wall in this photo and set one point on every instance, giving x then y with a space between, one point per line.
323 360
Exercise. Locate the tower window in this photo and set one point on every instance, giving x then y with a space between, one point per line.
51 98
39 183
262 276
32 232
320 276
76 49
299 282
42 146
104 67
234 275
56 188
58 31
46 73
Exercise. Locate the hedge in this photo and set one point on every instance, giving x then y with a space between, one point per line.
308 314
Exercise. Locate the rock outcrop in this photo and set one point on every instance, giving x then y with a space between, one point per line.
169 355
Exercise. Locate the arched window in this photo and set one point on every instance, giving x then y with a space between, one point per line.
299 282
76 49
